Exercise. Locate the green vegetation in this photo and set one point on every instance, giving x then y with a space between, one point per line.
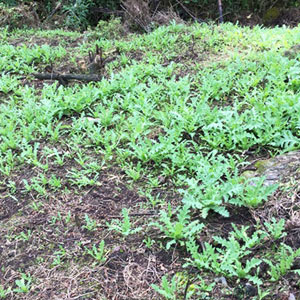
143 14
137 177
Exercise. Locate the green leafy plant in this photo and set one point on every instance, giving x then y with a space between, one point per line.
248 241
56 218
81 178
256 192
59 256
4 292
98 253
180 230
123 226
24 236
261 294
90 224
134 172
284 260
149 242
167 289
276 228
23 284
228 259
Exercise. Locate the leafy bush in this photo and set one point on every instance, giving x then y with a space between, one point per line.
9 2
77 13
110 29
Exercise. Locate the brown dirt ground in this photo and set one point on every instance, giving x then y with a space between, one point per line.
130 267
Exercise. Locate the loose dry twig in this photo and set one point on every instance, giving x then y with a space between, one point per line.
54 11
189 13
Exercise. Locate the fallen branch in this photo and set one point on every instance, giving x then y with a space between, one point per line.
64 78
189 13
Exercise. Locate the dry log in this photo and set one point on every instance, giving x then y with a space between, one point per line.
64 78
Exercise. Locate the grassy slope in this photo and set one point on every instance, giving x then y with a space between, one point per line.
181 111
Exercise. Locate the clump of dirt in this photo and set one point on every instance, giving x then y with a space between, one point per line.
19 17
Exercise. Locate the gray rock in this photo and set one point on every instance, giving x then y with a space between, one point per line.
280 169
221 280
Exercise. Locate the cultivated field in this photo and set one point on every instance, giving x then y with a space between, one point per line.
133 187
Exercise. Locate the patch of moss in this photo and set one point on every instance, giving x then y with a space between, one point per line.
249 174
271 15
262 165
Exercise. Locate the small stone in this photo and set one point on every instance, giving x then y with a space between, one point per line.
221 280
277 170
292 297
93 120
